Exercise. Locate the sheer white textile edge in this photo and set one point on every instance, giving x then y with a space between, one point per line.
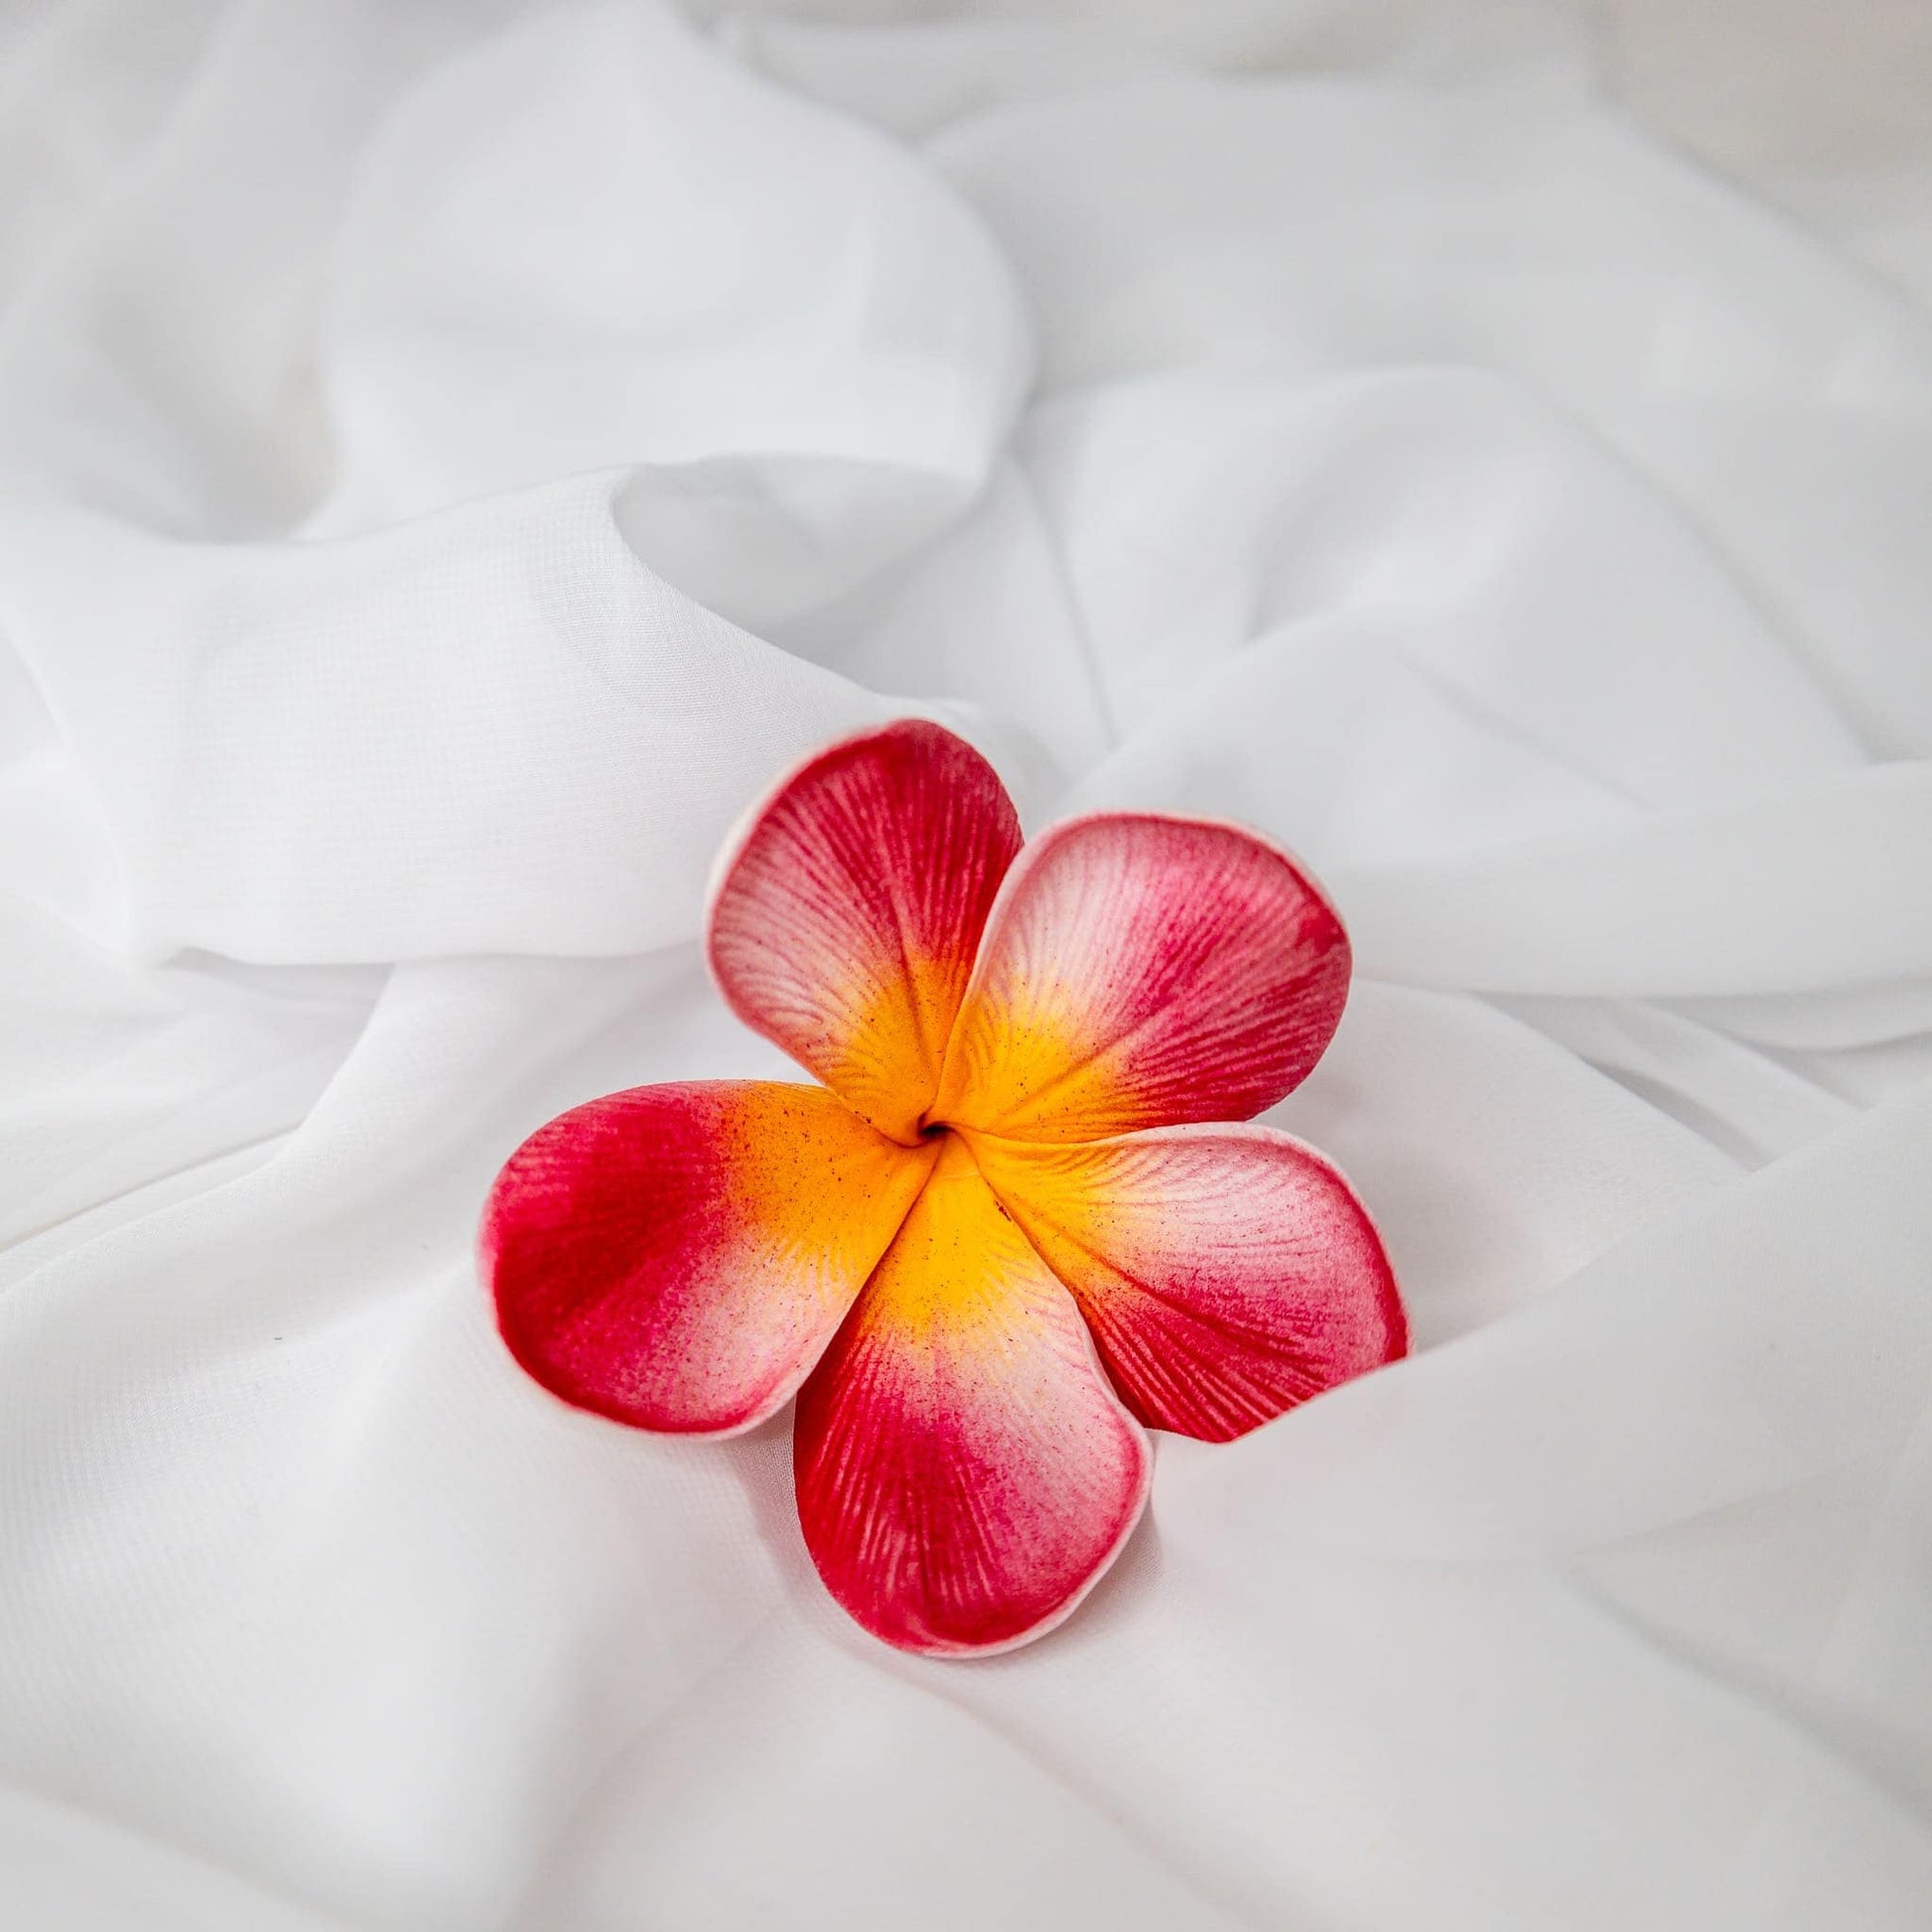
452 456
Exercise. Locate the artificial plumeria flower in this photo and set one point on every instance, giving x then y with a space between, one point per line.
1011 1230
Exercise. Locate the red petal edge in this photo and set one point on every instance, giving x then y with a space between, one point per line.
677 1256
965 1472
1227 1272
1141 970
847 908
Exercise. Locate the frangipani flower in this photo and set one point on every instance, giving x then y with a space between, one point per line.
1011 1230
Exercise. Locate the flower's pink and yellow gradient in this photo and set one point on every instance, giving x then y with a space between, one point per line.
1016 1226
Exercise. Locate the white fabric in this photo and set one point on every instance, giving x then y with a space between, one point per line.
452 453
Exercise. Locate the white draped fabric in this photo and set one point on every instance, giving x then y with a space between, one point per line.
452 453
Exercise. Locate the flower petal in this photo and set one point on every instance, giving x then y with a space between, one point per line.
677 1256
1227 1273
847 912
964 1471
1141 971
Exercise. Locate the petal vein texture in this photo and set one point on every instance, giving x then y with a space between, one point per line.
845 918
1226 1271
1144 971
676 1257
964 1471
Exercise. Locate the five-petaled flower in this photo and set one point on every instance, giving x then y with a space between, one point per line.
1012 1228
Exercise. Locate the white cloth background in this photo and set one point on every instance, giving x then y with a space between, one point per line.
452 455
